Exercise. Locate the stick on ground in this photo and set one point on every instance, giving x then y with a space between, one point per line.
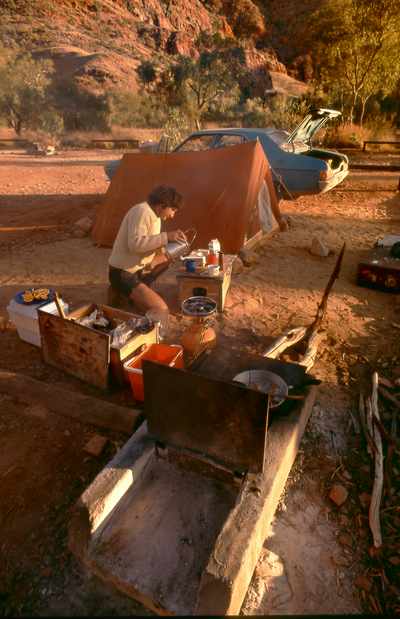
374 514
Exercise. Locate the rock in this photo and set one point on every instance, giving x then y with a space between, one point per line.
318 248
338 494
78 234
251 306
238 266
363 582
249 257
95 446
85 224
36 410
180 43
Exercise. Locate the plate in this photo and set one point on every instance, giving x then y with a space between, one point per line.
19 297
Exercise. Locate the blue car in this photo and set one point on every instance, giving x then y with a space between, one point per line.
297 167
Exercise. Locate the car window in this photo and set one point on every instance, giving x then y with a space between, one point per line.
229 140
279 136
199 142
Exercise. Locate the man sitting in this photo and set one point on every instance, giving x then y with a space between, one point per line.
139 244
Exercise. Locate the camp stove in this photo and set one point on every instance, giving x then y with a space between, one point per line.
200 335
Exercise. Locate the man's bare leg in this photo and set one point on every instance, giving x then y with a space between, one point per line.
145 299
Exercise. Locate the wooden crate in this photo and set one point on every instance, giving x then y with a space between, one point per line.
85 352
214 287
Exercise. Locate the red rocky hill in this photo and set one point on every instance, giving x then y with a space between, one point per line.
99 43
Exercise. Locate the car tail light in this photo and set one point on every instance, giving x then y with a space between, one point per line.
324 175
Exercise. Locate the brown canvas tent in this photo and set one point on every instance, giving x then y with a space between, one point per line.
220 189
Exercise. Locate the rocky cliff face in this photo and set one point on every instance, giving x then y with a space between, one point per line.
99 43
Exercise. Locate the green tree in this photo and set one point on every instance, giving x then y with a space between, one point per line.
146 72
359 54
195 84
245 18
176 128
25 92
82 110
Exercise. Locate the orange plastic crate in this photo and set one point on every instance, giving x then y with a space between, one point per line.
167 354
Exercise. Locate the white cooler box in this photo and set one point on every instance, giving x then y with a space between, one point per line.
26 320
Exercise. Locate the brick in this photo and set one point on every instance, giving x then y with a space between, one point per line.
318 248
338 494
85 224
95 446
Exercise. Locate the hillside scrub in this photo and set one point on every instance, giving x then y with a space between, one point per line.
129 64
25 97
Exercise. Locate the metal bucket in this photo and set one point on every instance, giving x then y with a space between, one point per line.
176 249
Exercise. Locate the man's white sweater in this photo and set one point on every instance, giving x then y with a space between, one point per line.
138 239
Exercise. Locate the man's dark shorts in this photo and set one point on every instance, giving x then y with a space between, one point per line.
125 282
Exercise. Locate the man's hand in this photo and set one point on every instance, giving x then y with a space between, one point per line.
177 235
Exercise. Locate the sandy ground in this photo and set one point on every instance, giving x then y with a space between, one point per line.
305 566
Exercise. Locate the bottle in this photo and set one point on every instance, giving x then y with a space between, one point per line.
221 261
212 257
215 246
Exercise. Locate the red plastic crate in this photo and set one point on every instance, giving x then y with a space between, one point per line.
167 354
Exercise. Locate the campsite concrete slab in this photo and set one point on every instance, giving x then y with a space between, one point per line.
39 203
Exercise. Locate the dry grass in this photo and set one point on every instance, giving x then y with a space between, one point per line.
347 136
353 136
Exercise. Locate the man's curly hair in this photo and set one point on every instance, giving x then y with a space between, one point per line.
165 197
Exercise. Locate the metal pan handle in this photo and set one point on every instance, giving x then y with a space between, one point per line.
193 233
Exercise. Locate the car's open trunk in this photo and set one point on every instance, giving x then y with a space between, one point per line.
333 159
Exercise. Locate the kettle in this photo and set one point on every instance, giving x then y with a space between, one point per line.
176 249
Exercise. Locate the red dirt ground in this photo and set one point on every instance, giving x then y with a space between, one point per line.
43 468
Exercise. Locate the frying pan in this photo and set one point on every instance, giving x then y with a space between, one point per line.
266 382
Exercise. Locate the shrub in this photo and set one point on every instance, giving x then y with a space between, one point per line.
346 136
131 110
254 113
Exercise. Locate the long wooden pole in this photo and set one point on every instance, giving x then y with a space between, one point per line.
294 335
83 408
321 311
